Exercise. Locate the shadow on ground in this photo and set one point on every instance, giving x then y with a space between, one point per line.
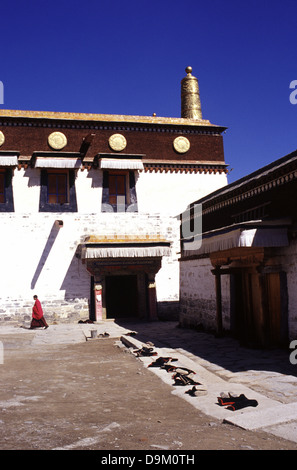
226 352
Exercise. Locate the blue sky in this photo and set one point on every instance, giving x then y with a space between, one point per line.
128 57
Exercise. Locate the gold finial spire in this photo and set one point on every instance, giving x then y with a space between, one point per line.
190 98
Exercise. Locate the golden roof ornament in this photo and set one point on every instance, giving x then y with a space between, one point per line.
57 140
2 138
181 144
117 142
190 97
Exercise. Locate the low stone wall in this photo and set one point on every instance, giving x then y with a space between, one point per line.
55 311
168 310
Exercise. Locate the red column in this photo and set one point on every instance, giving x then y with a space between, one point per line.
152 298
98 302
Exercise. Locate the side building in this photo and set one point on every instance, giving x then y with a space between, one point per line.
241 277
89 208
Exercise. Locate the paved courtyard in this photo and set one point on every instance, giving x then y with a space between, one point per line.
62 389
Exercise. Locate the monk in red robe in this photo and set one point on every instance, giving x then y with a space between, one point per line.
38 319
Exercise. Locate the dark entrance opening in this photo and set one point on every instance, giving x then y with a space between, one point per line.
92 300
259 308
121 296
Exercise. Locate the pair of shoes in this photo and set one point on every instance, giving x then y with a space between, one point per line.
144 351
184 379
197 391
234 403
162 362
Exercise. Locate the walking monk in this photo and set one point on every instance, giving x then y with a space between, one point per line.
38 319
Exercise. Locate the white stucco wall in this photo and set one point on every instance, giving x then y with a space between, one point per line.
39 258
198 295
171 193
197 290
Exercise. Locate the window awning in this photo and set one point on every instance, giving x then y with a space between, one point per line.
8 160
225 239
121 164
125 250
57 162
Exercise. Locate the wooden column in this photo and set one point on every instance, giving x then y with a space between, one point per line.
152 298
142 296
217 273
98 294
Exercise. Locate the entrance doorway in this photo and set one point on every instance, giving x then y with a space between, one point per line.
258 308
121 296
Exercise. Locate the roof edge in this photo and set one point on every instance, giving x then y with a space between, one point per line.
254 176
58 115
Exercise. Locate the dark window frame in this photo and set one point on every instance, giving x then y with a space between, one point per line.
2 187
8 203
130 196
54 190
45 205
118 182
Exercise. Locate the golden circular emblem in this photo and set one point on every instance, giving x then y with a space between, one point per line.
2 138
117 142
57 140
181 144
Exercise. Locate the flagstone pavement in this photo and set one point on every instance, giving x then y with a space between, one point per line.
222 365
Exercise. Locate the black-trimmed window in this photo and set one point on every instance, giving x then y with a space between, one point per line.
57 188
6 193
2 186
119 193
117 189
57 191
